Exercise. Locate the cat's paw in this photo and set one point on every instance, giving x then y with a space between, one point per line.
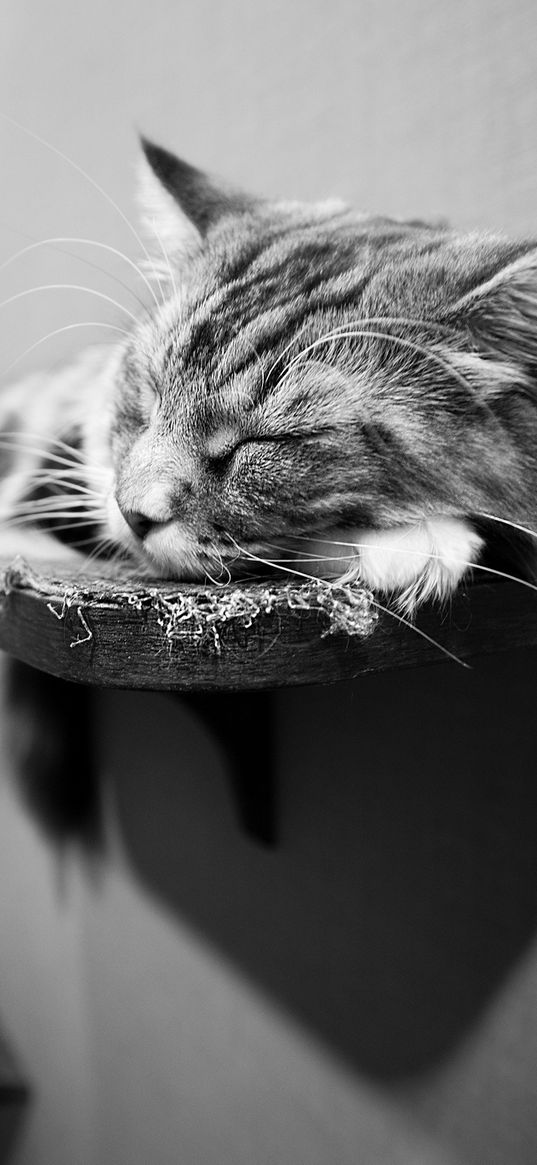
415 562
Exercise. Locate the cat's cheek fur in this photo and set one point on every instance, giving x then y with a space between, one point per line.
173 553
416 562
117 528
119 533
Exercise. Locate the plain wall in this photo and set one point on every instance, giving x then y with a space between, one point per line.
367 991
415 108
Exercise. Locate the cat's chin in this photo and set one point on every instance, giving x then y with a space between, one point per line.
182 564
168 551
410 563
185 568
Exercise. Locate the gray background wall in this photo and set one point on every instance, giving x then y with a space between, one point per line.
366 993
412 108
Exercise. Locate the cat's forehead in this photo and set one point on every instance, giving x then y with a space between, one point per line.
264 274
258 295
253 283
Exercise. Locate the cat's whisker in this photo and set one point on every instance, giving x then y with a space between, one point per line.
34 514
166 256
40 516
56 500
333 585
90 243
314 558
395 321
58 477
30 519
83 492
94 554
224 569
287 349
253 349
217 582
523 582
21 446
365 321
157 271
429 554
506 522
243 552
62 472
79 170
78 542
58 490
55 474
98 545
230 561
46 454
376 335
419 631
291 550
58 332
23 434
47 507
101 548
69 287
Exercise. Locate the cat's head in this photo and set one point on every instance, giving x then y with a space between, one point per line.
305 369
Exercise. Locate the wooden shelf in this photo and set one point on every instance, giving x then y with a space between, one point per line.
133 633
207 642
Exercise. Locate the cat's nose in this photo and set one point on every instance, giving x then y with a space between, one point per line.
139 523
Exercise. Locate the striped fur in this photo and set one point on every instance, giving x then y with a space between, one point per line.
314 382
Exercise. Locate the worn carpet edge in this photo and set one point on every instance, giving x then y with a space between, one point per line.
197 611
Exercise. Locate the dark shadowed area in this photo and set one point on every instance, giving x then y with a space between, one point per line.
404 886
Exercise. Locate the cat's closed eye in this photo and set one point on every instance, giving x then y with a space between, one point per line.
248 448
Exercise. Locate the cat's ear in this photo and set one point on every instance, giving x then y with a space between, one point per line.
180 203
501 312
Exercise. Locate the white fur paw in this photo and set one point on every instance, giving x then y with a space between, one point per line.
424 560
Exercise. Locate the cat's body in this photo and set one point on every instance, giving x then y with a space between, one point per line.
309 389
307 383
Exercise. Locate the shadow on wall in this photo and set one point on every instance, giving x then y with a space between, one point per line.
404 885
14 1098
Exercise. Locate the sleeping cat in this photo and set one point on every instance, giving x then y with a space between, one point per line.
311 389
350 395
